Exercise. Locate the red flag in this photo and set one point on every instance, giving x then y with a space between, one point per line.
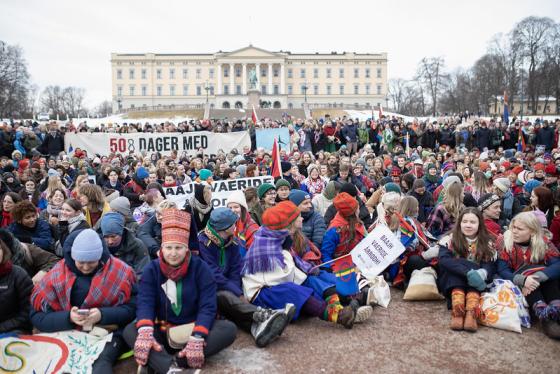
254 116
380 112
276 171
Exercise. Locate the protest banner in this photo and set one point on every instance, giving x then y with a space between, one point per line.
265 138
376 251
62 352
220 189
188 143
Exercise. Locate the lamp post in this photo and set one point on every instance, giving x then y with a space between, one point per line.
207 88
304 88
119 105
387 101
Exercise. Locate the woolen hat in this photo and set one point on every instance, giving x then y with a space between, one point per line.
418 183
450 180
204 174
330 190
286 166
175 226
503 184
298 196
392 187
112 223
53 173
350 189
282 182
142 173
237 197
486 200
87 246
222 218
523 176
280 216
345 204
551 170
531 185
396 171
263 189
121 205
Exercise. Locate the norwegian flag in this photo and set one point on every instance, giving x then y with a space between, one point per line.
276 172
254 117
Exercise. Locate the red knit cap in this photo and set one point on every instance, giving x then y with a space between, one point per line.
506 164
175 226
396 171
518 169
539 166
483 166
550 169
280 216
345 204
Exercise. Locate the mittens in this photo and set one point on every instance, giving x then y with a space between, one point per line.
476 280
194 352
144 343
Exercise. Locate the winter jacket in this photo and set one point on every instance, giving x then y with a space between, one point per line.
482 138
198 298
314 227
150 234
40 235
53 321
545 137
132 251
15 291
350 133
425 205
227 276
364 214
429 139
132 191
52 145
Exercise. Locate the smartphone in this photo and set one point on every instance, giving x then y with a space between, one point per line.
83 312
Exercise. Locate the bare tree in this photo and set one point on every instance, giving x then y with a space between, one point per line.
14 81
73 98
396 91
431 74
104 109
52 100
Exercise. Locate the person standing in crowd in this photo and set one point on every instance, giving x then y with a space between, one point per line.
177 289
219 248
53 143
466 264
528 258
102 291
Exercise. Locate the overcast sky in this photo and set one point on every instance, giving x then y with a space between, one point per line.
69 42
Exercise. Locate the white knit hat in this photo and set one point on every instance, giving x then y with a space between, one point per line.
239 198
503 184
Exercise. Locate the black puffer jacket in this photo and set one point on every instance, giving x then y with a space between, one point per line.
15 291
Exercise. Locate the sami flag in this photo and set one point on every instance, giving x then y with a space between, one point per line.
506 108
346 280
520 141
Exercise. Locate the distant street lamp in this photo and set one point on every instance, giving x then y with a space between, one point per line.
304 88
207 88
387 101
119 103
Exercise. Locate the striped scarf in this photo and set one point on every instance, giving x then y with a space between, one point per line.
111 285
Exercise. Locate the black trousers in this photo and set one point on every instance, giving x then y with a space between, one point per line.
414 263
109 355
236 310
221 335
547 291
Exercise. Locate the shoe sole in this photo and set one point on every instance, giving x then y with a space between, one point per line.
290 312
363 314
272 331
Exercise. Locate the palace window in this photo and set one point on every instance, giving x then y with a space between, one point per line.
263 89
275 72
329 73
131 74
290 73
290 89
158 74
238 89
119 73
378 72
379 89
143 73
158 92
341 73
171 73
356 73
316 89
238 72
185 90
199 90
198 73
341 89
226 89
211 73
119 91
131 90
226 72
144 91
302 73
315 73
367 89
276 89
356 89
367 73
263 72
329 89
185 73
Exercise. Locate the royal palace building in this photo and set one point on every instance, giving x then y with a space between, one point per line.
226 79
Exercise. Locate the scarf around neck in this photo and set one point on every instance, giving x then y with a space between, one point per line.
5 268
215 238
266 251
175 273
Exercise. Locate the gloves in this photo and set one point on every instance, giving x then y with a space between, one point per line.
144 343
477 279
430 253
194 352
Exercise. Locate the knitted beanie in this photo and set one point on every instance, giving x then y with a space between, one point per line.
531 185
330 190
142 173
486 200
523 177
539 166
121 205
175 226
551 170
350 189
263 189
345 204
450 180
392 187
286 166
282 182
280 216
87 246
396 171
53 173
298 196
418 183
112 223
204 174
503 184
237 197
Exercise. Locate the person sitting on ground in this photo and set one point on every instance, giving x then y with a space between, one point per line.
466 264
245 227
122 243
177 289
15 290
219 248
530 260
88 288
152 198
71 219
122 205
150 231
314 226
271 278
267 199
54 208
29 228
135 188
95 206
9 200
445 213
425 199
491 205
283 188
200 205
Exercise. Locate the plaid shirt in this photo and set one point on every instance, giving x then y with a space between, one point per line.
440 221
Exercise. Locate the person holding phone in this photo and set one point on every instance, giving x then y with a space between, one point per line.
102 292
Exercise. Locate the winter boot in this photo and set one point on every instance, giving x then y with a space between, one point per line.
457 309
472 309
541 310
553 310
363 313
347 315
268 325
290 311
335 312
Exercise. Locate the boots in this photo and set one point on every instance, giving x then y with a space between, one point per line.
268 325
347 316
457 309
472 311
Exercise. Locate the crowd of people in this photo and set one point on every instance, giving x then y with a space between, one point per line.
93 241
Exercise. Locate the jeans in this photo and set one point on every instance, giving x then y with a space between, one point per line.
236 310
109 355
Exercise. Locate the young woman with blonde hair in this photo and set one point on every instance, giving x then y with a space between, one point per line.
445 213
530 260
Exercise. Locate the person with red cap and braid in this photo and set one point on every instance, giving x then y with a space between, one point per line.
273 277
177 289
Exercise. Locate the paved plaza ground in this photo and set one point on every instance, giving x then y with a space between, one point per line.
407 337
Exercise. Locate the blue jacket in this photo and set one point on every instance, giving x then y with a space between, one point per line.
552 269
228 278
453 270
198 301
52 321
40 235
350 133
314 227
150 234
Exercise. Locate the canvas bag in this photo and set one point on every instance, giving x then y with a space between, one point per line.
381 291
499 309
422 285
